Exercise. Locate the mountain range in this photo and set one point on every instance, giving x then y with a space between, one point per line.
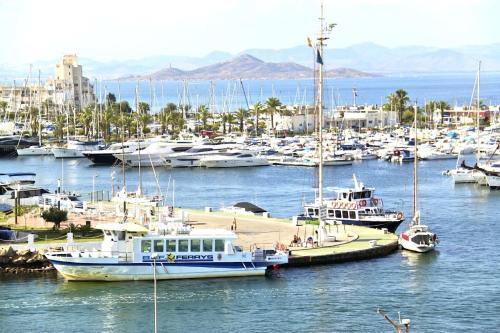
246 67
365 57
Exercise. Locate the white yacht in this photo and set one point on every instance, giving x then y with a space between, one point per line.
75 149
155 154
34 151
107 156
234 159
132 252
193 156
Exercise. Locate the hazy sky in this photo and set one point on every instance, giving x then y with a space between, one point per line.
124 29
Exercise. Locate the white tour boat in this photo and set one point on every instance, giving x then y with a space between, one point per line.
172 251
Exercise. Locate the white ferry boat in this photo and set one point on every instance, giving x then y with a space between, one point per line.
132 252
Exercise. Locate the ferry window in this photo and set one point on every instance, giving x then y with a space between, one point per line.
121 235
310 211
345 214
207 245
146 246
158 245
331 213
195 245
338 214
316 212
219 245
183 245
171 245
352 215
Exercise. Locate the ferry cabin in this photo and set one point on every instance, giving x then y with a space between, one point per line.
131 252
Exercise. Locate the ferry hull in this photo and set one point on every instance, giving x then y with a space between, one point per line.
164 271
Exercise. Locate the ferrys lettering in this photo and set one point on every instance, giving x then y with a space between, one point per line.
194 257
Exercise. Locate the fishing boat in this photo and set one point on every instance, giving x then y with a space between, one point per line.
171 251
417 237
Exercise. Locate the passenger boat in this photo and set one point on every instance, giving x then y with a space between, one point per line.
34 151
171 251
356 206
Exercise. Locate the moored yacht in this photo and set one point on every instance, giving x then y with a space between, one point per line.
356 206
75 149
234 159
132 252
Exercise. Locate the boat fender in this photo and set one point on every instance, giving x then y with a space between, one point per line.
362 203
219 256
400 216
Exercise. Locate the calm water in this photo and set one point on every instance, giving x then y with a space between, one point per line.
452 290
227 95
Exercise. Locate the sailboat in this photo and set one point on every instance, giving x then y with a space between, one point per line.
417 237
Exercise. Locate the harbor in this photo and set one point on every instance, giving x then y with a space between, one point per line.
314 188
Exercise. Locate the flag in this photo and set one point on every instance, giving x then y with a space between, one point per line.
309 43
319 60
355 91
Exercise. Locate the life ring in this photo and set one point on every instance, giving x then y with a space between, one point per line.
375 201
334 204
342 205
353 205
362 203
399 216
396 152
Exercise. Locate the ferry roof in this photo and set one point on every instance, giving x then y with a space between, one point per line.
128 226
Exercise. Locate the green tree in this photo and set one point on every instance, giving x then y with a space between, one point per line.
241 115
230 121
203 115
59 124
273 104
85 118
143 107
34 121
3 106
55 216
257 108
442 105
110 99
399 100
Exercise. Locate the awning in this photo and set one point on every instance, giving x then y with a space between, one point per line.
128 226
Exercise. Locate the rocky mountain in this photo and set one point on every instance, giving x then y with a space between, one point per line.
247 67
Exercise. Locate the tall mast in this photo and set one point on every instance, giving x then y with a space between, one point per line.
139 186
39 111
415 163
320 43
478 109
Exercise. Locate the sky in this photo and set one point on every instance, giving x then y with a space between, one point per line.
108 30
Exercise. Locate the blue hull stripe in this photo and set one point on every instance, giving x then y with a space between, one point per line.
170 264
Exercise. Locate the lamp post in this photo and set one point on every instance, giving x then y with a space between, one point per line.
59 194
16 202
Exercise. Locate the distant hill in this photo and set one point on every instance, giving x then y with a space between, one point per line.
247 67
365 57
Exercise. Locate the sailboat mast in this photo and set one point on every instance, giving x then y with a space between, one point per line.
320 107
139 186
415 163
39 111
478 109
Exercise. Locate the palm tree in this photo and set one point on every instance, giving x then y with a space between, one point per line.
273 104
143 120
442 105
85 118
230 121
223 119
203 115
3 106
242 115
431 106
164 118
257 108
399 99
106 120
34 121
59 124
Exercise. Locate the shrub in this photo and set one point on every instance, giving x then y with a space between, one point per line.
56 216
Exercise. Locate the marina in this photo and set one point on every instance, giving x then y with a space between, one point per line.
242 191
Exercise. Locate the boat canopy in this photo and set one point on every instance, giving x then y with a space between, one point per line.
128 226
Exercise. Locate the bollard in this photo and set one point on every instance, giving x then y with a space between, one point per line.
266 215
208 209
31 242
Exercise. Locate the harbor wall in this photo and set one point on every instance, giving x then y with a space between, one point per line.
23 261
369 253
